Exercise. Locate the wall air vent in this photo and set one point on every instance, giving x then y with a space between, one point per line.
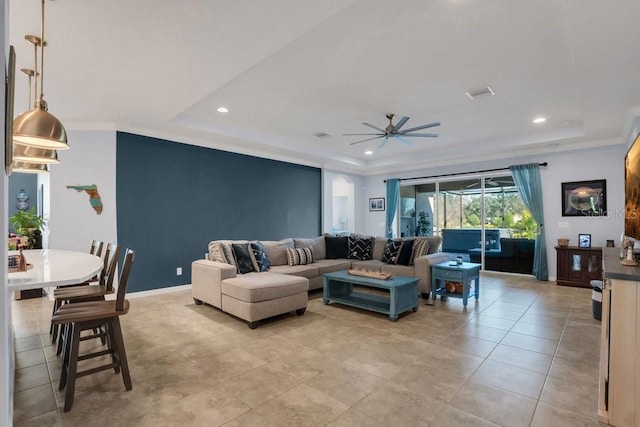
322 135
485 91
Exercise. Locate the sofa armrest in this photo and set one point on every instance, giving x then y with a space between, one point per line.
422 269
206 280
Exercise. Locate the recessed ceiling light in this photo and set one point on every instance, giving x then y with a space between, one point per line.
539 120
368 152
223 110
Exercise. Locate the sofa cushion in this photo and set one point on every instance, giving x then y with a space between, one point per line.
259 257
372 264
391 251
316 244
336 247
243 258
378 247
331 265
299 256
254 287
277 250
398 270
360 247
221 251
420 248
404 257
309 271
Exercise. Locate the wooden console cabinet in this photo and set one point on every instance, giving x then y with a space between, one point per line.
578 266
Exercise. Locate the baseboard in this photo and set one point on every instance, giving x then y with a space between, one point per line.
158 291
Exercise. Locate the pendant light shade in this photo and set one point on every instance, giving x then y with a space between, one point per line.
24 167
28 154
39 128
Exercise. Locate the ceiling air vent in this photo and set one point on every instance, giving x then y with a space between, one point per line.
322 135
485 91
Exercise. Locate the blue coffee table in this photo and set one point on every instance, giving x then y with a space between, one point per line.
463 273
403 293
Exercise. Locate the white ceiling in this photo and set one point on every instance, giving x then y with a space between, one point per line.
287 69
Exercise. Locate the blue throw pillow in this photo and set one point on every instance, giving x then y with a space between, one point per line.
259 257
404 257
243 258
337 247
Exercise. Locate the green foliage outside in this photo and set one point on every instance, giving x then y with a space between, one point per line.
502 210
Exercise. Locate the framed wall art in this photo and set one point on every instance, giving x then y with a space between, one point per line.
584 198
376 204
584 240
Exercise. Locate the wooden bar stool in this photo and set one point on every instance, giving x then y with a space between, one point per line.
103 315
95 249
76 294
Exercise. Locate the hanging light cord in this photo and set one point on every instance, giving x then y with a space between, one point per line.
42 43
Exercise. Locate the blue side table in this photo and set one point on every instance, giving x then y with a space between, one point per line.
463 273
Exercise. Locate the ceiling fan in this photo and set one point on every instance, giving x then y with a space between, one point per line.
394 131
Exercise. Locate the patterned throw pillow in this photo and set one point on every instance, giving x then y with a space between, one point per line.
420 248
259 257
404 257
391 251
299 256
243 258
360 247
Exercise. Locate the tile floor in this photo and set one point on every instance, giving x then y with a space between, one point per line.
525 354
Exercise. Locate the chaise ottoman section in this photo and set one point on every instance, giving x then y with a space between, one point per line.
256 296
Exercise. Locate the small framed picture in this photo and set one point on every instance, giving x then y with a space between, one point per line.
376 204
584 240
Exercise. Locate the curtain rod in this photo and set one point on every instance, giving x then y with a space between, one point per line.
460 173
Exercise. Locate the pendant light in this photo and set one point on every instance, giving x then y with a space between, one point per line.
25 153
25 167
38 127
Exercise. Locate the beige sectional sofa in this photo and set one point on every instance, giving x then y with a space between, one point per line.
254 295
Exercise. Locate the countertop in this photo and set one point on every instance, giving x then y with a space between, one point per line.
614 270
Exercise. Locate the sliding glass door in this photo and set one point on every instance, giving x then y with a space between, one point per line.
482 219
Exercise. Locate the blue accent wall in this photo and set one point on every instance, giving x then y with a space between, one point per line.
173 199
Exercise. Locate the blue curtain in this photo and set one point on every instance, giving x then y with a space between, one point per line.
527 179
393 191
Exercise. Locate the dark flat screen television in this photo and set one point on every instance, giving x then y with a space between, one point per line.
632 190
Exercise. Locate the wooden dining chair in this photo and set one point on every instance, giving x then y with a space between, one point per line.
104 315
75 294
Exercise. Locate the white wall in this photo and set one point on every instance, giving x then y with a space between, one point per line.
598 163
73 223
357 219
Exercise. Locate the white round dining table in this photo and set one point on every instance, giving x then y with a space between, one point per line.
54 267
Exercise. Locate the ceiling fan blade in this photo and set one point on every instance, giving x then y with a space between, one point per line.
423 135
362 134
364 140
374 127
384 141
430 125
406 141
400 124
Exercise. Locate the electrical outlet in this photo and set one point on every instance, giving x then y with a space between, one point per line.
179 271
